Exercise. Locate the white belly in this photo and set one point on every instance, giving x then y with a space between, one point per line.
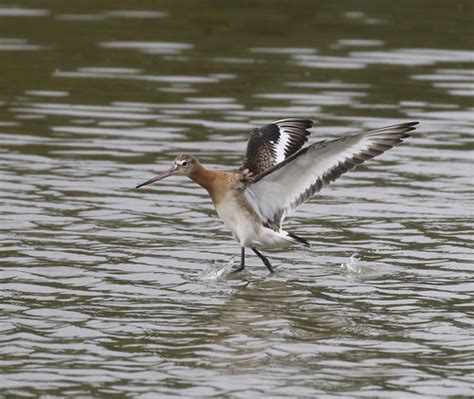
248 231
238 220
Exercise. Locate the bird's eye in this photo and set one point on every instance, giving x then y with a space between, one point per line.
184 163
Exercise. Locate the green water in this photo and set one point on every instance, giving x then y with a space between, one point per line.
111 292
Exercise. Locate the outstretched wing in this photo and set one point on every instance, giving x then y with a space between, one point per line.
275 142
290 183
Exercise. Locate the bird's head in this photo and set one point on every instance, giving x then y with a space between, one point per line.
183 165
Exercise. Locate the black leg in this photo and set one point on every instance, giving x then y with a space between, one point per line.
265 261
242 261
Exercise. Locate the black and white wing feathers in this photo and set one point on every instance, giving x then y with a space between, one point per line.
282 188
275 142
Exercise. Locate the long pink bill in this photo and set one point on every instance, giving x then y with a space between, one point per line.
162 175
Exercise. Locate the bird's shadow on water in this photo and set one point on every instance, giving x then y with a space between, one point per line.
289 301
255 302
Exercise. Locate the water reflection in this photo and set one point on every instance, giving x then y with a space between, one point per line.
11 44
132 74
362 59
136 14
150 47
131 289
456 82
102 15
13 11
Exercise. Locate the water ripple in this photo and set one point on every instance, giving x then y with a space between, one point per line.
110 291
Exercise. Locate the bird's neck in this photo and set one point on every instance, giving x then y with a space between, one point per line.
216 183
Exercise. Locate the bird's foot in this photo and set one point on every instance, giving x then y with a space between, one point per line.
237 269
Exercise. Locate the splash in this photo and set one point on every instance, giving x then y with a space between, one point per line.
352 266
216 271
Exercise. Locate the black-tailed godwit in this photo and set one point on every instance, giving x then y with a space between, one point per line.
277 175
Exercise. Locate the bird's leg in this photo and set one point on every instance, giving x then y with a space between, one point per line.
265 261
242 261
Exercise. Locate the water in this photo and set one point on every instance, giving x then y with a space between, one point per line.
107 290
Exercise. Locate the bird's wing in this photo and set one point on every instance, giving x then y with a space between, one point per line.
275 142
290 183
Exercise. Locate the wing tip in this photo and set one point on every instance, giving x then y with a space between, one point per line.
400 131
410 126
308 123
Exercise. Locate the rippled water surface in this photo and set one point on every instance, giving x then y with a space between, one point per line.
111 291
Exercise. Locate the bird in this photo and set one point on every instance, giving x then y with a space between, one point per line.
277 175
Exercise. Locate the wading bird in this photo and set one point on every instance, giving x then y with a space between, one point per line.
277 175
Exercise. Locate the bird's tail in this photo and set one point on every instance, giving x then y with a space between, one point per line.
297 239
